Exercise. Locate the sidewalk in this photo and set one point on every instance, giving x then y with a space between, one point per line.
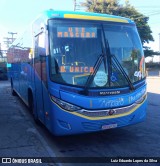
18 136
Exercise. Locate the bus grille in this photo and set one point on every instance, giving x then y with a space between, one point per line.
109 112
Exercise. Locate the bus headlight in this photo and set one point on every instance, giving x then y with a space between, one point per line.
64 105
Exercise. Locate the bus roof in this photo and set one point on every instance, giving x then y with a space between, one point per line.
85 16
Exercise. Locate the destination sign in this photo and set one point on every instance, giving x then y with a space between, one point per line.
77 32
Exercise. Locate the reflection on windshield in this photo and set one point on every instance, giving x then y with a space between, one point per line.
76 46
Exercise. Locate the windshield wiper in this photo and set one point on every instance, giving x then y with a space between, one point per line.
92 75
102 57
109 56
123 72
105 57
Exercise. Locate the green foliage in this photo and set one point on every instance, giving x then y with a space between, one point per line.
149 52
101 6
126 10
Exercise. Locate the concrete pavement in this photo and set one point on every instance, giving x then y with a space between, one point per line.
18 136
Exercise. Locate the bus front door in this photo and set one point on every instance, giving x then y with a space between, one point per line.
40 81
40 88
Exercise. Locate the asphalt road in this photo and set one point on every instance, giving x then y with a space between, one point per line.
21 137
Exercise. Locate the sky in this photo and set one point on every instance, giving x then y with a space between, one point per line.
150 8
16 15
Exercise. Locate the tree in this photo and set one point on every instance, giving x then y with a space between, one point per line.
101 6
126 10
149 52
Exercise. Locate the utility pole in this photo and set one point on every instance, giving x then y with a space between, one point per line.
9 40
12 34
76 5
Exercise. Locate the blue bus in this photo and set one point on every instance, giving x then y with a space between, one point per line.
80 72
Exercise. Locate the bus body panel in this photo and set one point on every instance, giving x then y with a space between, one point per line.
101 102
66 123
31 76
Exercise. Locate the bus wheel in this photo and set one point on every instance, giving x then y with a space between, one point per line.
32 108
12 90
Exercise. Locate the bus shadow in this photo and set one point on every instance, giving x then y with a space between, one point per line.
89 143
97 144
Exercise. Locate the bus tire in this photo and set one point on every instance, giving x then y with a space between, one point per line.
12 90
32 108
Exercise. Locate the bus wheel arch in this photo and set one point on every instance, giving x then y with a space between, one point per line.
31 105
12 89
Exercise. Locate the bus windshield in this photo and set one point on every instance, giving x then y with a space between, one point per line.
76 47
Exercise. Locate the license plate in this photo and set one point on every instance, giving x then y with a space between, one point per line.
110 126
